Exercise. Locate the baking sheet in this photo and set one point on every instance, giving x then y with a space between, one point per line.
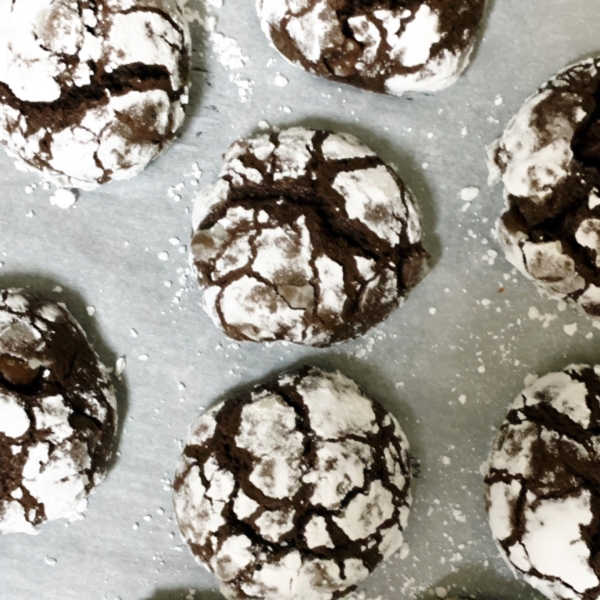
447 364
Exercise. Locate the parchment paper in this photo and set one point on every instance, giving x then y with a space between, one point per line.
104 253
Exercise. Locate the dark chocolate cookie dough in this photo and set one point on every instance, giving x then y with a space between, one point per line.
57 414
388 46
549 161
298 489
307 237
543 484
91 91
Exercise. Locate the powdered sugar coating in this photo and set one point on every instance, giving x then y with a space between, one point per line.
541 499
91 91
419 46
310 501
547 160
57 414
307 236
532 163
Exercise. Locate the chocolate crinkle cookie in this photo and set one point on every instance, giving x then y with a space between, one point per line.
58 414
387 46
298 489
91 91
549 161
543 484
307 237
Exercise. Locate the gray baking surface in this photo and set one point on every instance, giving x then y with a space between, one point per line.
479 342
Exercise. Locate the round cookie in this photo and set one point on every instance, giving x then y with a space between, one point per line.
384 46
542 484
58 414
549 161
307 237
91 91
299 488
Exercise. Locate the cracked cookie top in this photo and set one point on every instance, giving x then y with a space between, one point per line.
387 46
307 237
549 162
543 487
57 414
297 489
91 90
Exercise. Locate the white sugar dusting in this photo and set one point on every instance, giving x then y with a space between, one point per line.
468 194
227 49
63 198
281 80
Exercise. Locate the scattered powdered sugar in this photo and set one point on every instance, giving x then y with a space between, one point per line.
468 194
490 257
546 318
280 80
63 198
120 366
244 86
571 329
227 50
459 516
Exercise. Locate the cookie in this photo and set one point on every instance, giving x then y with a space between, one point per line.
91 92
58 414
307 237
542 492
297 489
549 161
383 46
